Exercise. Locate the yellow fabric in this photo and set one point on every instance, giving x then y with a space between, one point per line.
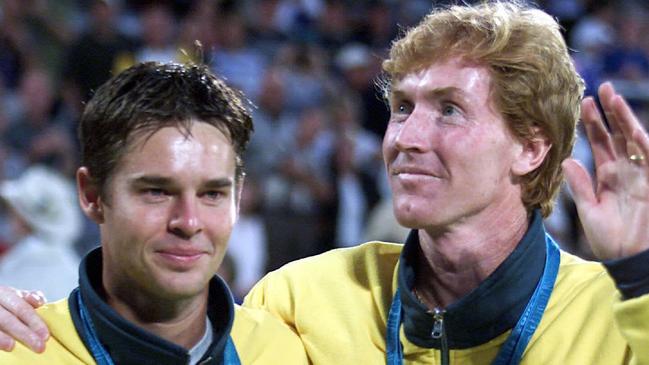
258 337
338 303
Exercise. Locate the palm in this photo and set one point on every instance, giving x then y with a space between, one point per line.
615 213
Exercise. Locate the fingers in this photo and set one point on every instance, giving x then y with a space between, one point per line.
622 120
19 320
580 184
641 141
600 140
6 343
34 298
15 328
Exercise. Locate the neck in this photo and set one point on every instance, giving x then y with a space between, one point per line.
455 260
181 322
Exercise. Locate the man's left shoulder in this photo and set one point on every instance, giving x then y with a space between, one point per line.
580 276
261 338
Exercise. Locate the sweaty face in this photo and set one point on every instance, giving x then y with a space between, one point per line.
171 210
447 150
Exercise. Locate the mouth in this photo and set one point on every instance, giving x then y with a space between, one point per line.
180 257
407 171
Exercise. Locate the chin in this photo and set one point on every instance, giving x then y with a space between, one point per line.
182 286
410 214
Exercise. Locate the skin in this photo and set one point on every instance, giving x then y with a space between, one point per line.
453 168
613 207
164 223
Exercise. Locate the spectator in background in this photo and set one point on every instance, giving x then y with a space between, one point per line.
266 33
234 58
375 25
627 59
590 37
248 247
198 31
307 83
299 194
158 34
274 124
45 222
13 44
41 131
359 69
357 167
333 26
101 51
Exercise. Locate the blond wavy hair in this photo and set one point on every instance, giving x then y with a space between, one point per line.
535 86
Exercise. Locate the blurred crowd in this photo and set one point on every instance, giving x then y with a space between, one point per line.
315 178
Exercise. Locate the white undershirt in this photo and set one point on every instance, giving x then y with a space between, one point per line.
197 352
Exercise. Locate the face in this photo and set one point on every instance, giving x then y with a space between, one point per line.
447 150
172 204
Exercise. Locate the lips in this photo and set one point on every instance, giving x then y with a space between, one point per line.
411 170
180 256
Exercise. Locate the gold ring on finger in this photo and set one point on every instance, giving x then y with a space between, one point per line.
637 158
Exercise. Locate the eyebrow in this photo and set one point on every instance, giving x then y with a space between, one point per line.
156 180
450 90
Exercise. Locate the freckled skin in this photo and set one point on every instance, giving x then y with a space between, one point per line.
448 152
147 224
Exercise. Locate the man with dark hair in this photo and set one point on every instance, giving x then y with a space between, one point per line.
161 174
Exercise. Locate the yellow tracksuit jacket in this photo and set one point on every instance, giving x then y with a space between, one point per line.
258 337
338 303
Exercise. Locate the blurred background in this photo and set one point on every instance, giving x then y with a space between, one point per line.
315 178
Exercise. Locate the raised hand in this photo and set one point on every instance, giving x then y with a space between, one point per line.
19 321
614 209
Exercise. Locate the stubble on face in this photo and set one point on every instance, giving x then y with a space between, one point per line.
172 208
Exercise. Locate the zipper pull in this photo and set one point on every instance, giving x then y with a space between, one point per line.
438 327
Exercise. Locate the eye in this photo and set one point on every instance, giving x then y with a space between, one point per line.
155 192
213 195
399 111
449 110
403 108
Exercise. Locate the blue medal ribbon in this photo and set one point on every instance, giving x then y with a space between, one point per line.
102 357
512 350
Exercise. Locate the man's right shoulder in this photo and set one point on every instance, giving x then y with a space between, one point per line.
341 272
64 345
261 338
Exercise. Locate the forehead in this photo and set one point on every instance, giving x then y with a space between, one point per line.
203 151
454 75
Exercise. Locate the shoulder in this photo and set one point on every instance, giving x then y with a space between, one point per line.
367 257
279 343
584 284
575 272
64 345
342 276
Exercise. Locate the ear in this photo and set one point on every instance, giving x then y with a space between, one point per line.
532 154
89 197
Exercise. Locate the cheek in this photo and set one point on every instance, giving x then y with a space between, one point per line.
388 146
219 222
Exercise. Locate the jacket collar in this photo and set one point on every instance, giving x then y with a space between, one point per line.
490 309
130 344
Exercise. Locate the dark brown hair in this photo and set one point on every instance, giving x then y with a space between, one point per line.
150 96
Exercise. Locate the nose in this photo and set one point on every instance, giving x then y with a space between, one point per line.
185 221
413 134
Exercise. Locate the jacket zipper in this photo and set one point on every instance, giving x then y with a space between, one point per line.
439 333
